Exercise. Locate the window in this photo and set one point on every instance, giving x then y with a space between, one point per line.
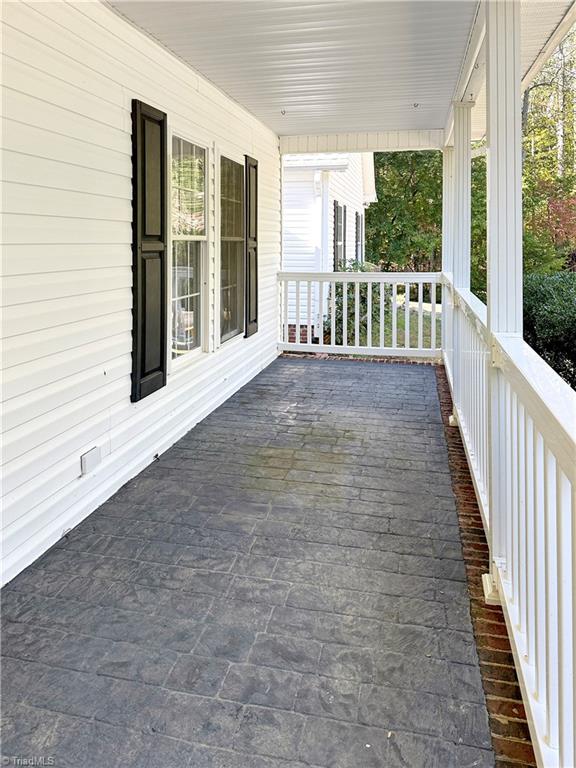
339 236
231 248
188 244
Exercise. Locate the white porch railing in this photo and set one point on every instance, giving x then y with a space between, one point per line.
520 437
361 313
518 423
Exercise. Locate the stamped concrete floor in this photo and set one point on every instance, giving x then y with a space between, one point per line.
283 588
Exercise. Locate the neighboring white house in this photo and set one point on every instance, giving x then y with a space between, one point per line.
324 197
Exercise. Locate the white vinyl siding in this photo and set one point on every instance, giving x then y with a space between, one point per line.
301 229
69 76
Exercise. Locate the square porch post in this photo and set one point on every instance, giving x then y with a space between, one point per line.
460 231
448 255
504 250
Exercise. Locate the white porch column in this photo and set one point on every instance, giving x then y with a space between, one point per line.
504 239
460 227
504 167
462 194
447 209
448 257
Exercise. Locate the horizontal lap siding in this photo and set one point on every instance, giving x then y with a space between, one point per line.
70 73
301 231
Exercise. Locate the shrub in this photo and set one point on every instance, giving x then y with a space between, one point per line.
550 320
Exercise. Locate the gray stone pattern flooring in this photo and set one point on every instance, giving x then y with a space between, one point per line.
283 588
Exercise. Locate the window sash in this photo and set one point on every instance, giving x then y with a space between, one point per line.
187 320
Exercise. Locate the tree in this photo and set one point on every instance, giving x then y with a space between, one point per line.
404 228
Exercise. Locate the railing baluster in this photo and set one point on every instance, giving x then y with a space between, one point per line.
394 315
433 316
381 329
407 315
551 616
321 312
344 313
540 571
521 518
286 329
309 313
514 498
529 457
357 314
566 577
420 317
333 313
297 317
369 313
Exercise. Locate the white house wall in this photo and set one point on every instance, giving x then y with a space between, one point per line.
70 73
301 229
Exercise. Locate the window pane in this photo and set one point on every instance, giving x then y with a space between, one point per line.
231 248
188 188
186 296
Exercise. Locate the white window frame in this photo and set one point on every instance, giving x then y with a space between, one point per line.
176 363
236 157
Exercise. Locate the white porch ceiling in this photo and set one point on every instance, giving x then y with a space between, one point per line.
333 66
341 66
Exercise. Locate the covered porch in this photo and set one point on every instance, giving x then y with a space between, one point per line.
285 587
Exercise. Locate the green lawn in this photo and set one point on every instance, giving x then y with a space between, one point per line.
375 335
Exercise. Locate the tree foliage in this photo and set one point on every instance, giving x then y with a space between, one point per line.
403 229
550 320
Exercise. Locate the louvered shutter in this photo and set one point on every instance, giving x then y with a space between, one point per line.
149 250
251 245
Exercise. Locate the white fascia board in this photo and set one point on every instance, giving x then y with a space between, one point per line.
376 141
317 162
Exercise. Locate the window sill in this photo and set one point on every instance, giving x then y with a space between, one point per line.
178 364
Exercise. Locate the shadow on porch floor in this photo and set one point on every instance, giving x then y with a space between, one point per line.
283 588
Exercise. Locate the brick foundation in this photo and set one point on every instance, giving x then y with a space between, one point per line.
303 334
510 734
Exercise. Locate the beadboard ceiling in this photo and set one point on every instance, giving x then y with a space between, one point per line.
324 66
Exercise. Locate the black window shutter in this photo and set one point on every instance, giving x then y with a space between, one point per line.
337 224
251 246
358 251
149 250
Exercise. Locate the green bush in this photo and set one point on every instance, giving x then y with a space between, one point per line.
550 320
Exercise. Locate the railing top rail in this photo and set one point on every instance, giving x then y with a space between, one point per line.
550 400
364 277
471 302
